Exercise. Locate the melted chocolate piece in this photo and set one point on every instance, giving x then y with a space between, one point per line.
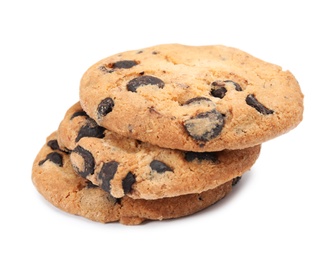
218 89
53 144
236 180
127 182
107 173
160 167
90 185
90 129
205 126
123 64
197 100
209 156
89 161
105 107
237 86
54 157
253 102
144 80
79 113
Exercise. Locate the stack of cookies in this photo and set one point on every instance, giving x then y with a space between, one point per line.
164 132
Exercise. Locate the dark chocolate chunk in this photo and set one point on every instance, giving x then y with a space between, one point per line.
90 185
196 100
144 80
89 161
218 89
90 129
253 102
123 64
105 107
236 180
53 144
159 166
237 86
127 182
209 156
107 173
54 157
205 126
79 113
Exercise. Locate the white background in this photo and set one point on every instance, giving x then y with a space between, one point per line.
284 208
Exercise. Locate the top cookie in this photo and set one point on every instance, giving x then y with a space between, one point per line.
193 98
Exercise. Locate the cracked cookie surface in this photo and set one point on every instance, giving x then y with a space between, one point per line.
55 179
125 166
192 98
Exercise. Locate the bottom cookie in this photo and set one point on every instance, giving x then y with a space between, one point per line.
55 179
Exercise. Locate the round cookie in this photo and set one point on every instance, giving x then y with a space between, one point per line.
125 166
54 178
192 98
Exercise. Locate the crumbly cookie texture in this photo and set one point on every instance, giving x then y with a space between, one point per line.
192 98
125 166
56 181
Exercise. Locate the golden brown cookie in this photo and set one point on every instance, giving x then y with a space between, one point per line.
125 166
192 98
54 178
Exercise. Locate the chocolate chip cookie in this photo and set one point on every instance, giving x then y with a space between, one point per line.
192 98
125 166
54 178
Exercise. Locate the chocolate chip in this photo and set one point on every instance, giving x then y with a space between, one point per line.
89 162
209 156
90 185
253 102
90 129
205 126
159 166
53 144
235 180
78 113
123 64
127 182
54 157
218 89
105 107
197 100
107 173
237 86
144 80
